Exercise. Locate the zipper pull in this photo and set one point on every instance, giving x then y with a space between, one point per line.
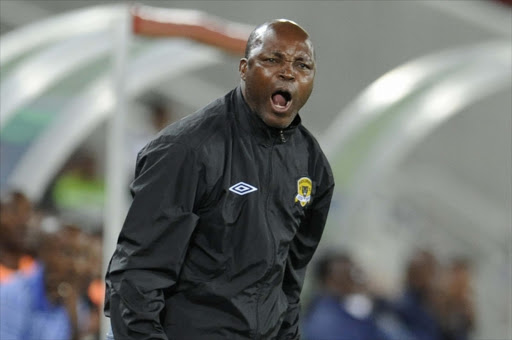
281 135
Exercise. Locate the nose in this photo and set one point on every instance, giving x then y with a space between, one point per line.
286 72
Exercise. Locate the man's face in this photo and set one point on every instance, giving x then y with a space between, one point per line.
65 258
346 278
277 77
12 228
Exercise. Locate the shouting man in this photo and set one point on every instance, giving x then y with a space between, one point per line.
229 206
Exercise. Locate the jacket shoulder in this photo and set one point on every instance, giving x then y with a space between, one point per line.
197 128
319 158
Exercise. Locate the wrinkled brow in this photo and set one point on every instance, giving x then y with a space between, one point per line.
301 57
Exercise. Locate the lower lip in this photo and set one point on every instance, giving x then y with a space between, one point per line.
280 109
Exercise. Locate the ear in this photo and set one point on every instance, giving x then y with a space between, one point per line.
242 68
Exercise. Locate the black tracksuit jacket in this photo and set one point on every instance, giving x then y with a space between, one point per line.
226 214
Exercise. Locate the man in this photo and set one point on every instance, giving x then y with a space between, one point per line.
418 306
456 306
344 308
15 213
229 206
45 304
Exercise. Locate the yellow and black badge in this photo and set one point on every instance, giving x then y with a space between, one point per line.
304 187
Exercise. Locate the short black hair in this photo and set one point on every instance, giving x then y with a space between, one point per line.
325 262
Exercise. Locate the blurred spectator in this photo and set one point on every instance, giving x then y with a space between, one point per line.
83 262
15 213
417 308
79 193
47 304
343 310
457 309
158 113
161 113
95 290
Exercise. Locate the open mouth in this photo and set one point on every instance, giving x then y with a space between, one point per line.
281 100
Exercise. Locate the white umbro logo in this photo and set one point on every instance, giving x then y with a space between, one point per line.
242 188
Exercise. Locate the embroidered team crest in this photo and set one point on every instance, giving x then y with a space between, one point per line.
304 187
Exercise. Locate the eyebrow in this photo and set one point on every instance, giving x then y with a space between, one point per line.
303 57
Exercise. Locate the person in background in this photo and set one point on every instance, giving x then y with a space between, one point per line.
95 291
86 268
343 309
157 112
15 214
457 309
45 305
418 307
79 193
160 111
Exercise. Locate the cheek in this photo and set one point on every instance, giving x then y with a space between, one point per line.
261 77
308 81
306 88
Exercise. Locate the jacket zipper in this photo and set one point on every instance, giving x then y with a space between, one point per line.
281 135
273 241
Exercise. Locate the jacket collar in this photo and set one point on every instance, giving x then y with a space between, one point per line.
252 123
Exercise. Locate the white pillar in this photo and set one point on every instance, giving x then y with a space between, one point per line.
116 172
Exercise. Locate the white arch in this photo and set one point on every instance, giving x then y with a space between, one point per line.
58 27
46 68
91 108
438 104
449 82
396 85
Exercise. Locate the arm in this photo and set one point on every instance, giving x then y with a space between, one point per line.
300 253
153 241
14 310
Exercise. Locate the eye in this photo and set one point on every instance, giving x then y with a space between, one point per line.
304 66
271 60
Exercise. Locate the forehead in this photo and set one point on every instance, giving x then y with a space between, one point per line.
288 40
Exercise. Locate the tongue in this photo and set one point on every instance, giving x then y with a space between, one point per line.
279 100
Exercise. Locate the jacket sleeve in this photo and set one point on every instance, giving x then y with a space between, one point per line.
300 253
154 239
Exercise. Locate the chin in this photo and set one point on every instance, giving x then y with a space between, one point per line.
278 124
277 121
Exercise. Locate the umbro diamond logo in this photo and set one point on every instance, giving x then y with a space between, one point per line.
242 188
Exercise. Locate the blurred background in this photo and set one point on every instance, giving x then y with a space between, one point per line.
412 105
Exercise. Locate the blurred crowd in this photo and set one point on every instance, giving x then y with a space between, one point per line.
435 302
51 288
50 275
51 282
